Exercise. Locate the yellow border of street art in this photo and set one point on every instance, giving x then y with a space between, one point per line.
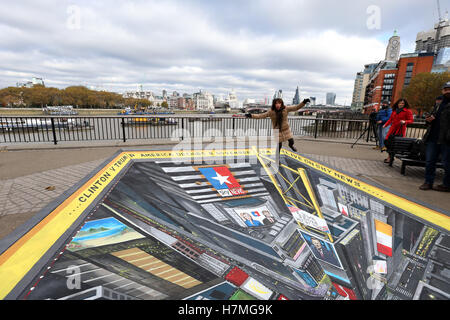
21 256
427 214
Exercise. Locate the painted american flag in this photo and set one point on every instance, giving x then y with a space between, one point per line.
213 183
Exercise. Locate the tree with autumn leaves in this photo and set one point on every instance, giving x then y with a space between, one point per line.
39 96
423 89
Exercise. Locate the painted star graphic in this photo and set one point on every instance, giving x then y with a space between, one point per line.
221 179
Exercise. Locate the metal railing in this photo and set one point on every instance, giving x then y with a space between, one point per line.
16 129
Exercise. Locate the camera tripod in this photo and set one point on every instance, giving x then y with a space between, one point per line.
367 130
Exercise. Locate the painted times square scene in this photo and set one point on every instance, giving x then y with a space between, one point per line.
97 202
241 230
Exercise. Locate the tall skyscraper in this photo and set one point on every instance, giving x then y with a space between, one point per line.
278 94
328 196
358 92
296 99
355 265
331 98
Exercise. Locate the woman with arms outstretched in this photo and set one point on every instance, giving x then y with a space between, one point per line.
279 116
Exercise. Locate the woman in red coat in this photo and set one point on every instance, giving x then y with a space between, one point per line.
401 116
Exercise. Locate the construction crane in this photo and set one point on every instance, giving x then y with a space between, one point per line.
439 10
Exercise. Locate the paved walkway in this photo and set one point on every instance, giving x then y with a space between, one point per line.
31 179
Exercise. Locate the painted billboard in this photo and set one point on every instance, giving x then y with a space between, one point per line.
322 250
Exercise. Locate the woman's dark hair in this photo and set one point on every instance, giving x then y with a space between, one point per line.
278 112
275 101
395 106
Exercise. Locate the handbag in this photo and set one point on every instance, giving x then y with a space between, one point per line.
389 142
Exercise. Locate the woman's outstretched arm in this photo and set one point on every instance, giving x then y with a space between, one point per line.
258 116
297 107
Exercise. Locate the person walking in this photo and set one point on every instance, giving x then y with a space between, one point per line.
278 114
400 117
382 117
437 140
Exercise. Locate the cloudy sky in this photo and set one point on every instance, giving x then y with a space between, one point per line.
253 46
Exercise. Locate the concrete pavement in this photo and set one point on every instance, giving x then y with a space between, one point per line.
32 176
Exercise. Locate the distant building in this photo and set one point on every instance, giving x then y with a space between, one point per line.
331 98
296 99
172 102
433 40
189 103
29 84
37 81
389 77
393 48
203 101
359 90
157 100
380 85
248 101
442 61
232 100
408 66
313 101
443 57
139 94
278 95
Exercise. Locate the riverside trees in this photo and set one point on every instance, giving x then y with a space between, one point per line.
39 96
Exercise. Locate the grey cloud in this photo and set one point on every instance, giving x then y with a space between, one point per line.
120 44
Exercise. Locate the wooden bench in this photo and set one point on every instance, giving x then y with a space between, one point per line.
402 149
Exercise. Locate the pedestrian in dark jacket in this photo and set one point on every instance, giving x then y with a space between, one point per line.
382 117
437 141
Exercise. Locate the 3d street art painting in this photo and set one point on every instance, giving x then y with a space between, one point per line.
234 224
